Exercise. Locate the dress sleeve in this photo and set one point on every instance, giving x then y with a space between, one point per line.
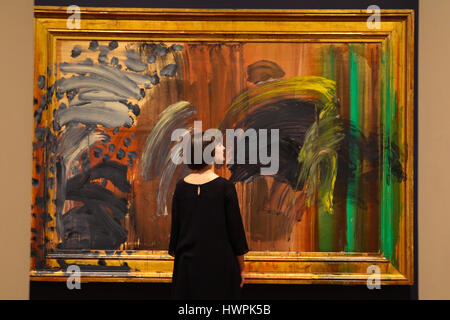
235 227
174 229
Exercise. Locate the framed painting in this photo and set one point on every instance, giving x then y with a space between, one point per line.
110 91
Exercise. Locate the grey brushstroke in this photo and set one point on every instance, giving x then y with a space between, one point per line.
107 139
156 156
151 58
133 55
169 71
96 84
160 50
87 62
120 154
72 93
99 95
134 62
113 45
114 61
177 47
109 114
41 133
77 102
103 55
140 79
119 82
93 45
98 152
134 108
41 82
76 139
104 50
72 142
136 66
132 155
76 51
167 176
103 58
37 116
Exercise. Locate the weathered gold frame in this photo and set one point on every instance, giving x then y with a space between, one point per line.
245 25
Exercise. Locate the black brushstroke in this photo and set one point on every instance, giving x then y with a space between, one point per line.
292 117
113 45
91 225
120 154
76 51
169 71
41 82
93 45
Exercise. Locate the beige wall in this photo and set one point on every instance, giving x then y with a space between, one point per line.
434 148
16 112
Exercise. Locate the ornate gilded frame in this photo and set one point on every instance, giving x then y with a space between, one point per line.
396 32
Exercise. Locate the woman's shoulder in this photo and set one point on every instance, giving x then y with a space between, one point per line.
225 181
226 184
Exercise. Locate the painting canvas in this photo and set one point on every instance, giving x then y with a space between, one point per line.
104 111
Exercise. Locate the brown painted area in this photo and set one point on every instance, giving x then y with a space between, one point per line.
342 92
210 76
207 85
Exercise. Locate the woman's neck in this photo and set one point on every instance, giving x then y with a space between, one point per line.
201 176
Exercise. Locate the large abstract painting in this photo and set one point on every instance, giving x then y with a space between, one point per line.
109 95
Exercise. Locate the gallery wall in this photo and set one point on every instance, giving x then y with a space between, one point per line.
16 112
434 150
433 138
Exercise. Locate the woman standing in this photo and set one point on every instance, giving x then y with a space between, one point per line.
207 235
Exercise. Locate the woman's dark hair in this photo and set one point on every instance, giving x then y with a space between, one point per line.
202 164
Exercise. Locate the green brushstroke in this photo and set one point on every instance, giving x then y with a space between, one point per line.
352 188
318 157
388 108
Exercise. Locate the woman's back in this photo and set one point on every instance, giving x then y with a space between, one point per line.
207 234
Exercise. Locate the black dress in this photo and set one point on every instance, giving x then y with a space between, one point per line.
206 236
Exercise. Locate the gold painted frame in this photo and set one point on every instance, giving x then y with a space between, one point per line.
397 26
